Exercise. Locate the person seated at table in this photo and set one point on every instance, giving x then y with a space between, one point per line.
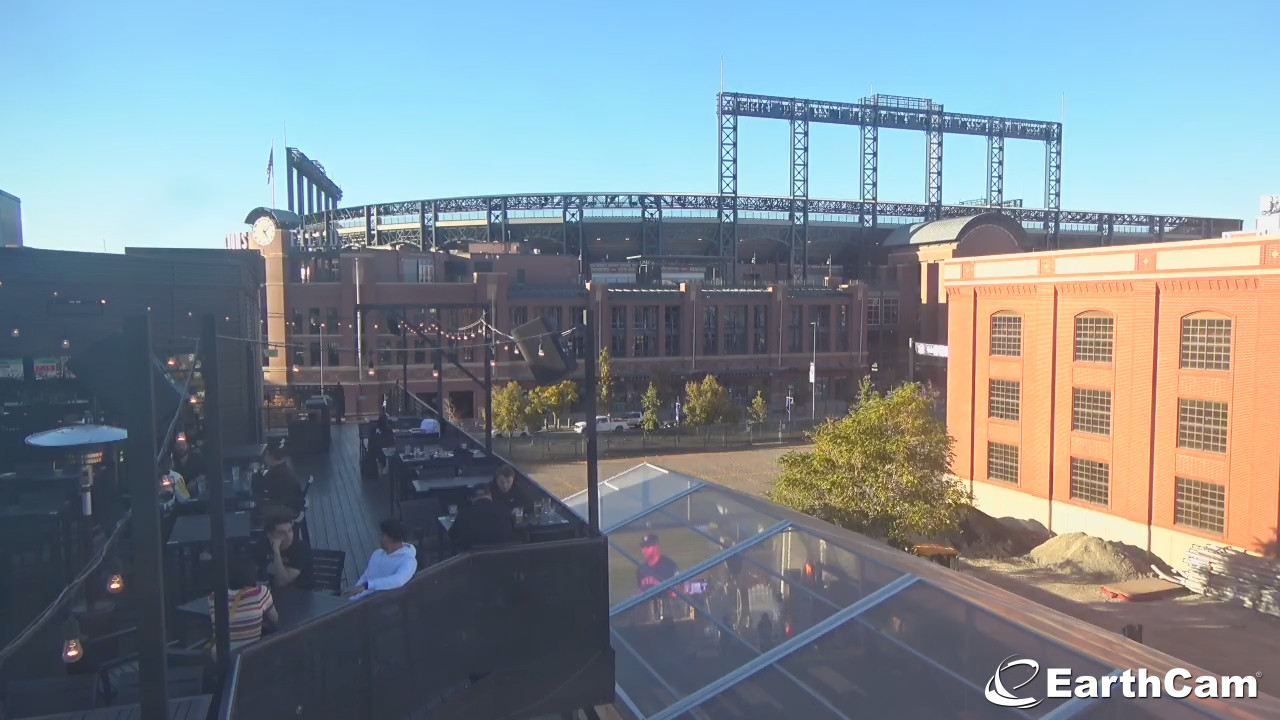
277 486
503 488
484 522
173 487
430 426
250 605
381 437
291 561
390 566
189 463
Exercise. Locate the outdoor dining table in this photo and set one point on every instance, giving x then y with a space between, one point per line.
294 607
243 454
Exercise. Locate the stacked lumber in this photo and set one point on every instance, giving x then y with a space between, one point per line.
1233 576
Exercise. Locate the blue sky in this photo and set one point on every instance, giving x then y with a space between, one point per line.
150 124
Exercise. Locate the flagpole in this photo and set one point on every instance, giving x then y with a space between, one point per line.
273 174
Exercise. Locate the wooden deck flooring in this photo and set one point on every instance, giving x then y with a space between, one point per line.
343 509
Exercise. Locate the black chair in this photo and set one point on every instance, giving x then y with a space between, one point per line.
329 568
422 518
49 696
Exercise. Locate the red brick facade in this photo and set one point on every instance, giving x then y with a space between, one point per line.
1174 474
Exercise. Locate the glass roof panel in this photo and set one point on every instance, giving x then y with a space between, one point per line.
970 642
649 694
677 543
629 501
767 695
644 473
684 649
863 674
837 575
716 514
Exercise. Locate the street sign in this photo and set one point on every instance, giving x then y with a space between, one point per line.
939 351
813 372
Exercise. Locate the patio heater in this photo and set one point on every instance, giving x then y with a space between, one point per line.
85 446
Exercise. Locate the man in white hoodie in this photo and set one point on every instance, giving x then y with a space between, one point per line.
390 567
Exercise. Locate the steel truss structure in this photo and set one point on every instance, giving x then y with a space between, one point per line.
873 113
418 223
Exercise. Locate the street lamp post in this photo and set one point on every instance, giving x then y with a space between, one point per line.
813 375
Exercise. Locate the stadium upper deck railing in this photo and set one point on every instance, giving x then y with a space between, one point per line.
416 221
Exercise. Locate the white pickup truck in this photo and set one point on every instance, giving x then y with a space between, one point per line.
604 423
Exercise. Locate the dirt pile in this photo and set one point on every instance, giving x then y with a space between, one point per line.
1093 558
982 536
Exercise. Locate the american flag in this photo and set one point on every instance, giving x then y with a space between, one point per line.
271 164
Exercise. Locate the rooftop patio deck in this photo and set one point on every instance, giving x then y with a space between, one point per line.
343 509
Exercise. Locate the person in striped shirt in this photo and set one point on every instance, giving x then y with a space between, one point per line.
250 604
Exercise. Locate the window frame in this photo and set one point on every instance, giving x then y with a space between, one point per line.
1090 354
1206 358
991 400
1005 346
1082 497
1017 463
1200 432
1091 413
1178 481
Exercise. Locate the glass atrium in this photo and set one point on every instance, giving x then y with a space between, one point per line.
773 614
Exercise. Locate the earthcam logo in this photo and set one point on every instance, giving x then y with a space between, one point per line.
996 692
1061 684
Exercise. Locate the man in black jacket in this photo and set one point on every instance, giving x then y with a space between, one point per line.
277 490
484 522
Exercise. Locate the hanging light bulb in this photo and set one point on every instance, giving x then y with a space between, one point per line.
115 579
371 372
72 648
541 352
435 373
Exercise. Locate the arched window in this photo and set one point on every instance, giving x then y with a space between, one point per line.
1006 334
1095 337
1206 342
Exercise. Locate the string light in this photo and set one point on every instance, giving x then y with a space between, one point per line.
72 648
14 333
66 344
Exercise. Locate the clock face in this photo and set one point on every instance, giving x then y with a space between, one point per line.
263 232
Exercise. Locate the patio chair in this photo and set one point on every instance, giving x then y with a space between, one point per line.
329 567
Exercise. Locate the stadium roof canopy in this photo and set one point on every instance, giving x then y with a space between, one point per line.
774 614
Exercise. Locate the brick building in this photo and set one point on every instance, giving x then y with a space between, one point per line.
758 336
1122 391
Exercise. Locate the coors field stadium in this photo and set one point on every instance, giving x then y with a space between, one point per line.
713 232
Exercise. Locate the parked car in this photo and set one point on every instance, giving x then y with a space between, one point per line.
522 433
633 419
604 423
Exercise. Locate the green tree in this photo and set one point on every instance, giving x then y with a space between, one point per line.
707 402
604 381
880 470
565 394
510 408
651 402
759 408
541 401
450 411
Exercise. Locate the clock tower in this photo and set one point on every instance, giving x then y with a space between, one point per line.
269 235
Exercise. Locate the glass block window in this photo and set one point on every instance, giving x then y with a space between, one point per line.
1206 342
1090 481
1002 462
1202 425
1095 338
1006 335
1005 400
1200 505
1091 411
